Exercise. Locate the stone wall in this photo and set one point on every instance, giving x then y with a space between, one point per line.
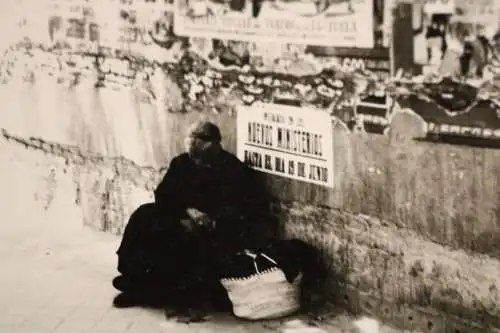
375 267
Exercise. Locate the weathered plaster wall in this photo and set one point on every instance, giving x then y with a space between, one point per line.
375 267
447 193
104 190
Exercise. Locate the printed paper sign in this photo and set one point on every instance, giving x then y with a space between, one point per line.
344 23
287 141
439 6
482 12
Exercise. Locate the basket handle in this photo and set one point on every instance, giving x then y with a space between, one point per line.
254 255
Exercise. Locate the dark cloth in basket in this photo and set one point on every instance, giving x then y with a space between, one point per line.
291 256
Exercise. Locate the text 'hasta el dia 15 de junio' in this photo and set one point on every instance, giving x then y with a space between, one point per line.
288 147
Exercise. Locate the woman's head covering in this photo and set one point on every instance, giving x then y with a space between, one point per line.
206 131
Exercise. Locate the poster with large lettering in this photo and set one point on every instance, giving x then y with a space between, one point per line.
288 141
324 22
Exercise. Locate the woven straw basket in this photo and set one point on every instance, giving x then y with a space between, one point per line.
263 295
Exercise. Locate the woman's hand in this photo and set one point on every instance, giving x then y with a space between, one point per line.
200 218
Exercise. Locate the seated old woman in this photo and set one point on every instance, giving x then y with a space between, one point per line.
209 205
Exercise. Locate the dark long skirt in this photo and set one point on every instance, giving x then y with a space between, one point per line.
162 260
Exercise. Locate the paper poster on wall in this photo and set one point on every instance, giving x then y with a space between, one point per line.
455 37
344 23
377 59
439 6
287 141
70 26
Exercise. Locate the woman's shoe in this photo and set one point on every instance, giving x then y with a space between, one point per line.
126 283
119 283
124 300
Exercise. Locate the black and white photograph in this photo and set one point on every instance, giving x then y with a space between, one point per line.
251 166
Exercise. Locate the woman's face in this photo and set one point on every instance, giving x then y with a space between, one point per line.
196 147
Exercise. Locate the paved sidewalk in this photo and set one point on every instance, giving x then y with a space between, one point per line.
58 281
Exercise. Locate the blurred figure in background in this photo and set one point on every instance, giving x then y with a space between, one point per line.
434 28
490 52
467 54
473 59
434 42
451 65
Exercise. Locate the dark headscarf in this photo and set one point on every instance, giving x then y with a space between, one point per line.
206 131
